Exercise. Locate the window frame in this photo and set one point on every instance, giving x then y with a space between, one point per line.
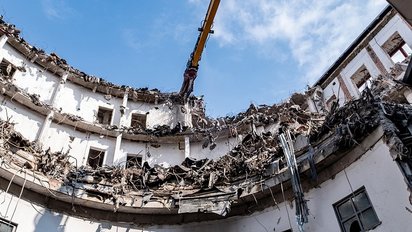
106 110
101 152
365 80
7 222
142 123
133 156
356 213
399 47
6 63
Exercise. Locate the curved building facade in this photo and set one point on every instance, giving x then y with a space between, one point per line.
80 153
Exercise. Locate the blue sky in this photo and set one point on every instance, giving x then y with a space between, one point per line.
261 52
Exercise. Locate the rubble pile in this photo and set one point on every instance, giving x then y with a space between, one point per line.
255 153
20 151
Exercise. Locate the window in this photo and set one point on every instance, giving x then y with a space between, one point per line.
104 116
330 102
6 68
133 160
361 78
138 121
355 212
396 48
6 226
95 158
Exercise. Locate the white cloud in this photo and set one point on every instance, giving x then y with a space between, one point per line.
317 32
131 39
56 9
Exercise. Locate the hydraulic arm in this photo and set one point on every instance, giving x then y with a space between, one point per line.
192 65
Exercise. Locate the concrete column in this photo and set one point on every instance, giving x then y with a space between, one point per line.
117 158
376 60
123 108
3 40
187 147
46 125
344 88
187 116
58 88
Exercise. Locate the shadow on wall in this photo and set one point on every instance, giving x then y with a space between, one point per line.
49 221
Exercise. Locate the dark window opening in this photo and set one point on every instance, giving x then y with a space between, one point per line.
396 48
138 121
7 226
330 102
104 116
95 158
6 68
361 78
356 213
133 160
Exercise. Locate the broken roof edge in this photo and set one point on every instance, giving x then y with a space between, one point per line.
387 11
59 67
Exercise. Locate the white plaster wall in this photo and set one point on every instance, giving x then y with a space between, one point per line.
35 80
362 58
77 100
375 170
165 155
396 24
27 122
157 115
58 139
384 184
334 88
223 146
130 147
34 218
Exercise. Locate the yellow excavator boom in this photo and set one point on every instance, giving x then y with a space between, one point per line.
192 66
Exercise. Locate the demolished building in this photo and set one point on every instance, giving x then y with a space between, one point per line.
80 153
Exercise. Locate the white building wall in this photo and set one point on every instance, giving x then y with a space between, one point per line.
58 139
130 147
223 146
35 80
385 186
157 115
334 88
77 100
166 155
396 24
362 58
27 122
